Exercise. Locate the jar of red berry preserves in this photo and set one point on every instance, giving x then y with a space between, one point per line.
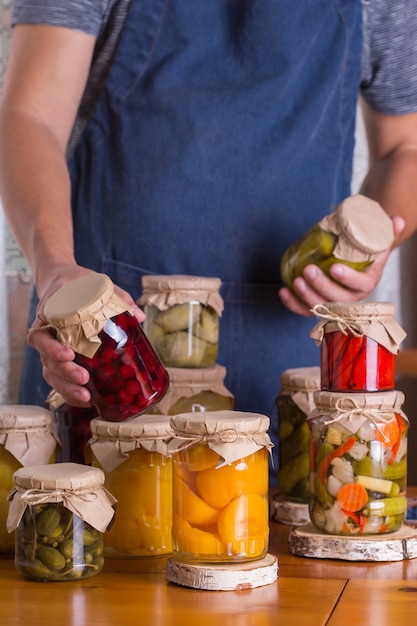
358 345
182 318
126 375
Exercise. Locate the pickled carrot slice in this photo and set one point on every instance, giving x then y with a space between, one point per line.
388 432
352 497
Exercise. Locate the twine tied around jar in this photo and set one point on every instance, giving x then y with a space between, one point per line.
345 323
228 435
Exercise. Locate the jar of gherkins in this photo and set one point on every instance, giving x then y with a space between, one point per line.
182 318
358 343
359 462
220 486
295 401
27 437
73 425
133 456
199 389
60 513
353 234
126 375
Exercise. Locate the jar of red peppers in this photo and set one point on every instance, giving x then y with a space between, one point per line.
138 472
27 437
182 318
73 425
194 390
358 462
220 486
295 402
358 345
126 375
353 234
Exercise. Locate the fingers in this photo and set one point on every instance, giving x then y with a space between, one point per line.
136 311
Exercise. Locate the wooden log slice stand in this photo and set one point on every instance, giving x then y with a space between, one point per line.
398 546
287 512
224 576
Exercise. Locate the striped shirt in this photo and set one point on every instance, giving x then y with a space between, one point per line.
389 46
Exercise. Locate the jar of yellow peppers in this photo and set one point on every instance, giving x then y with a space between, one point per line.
220 486
138 473
27 437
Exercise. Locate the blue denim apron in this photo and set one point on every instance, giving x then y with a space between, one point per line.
225 130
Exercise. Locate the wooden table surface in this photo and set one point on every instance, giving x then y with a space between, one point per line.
308 592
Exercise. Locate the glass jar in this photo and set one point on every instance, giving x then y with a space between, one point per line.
126 376
353 234
73 425
60 513
359 462
27 437
220 486
133 456
358 343
193 390
295 401
182 318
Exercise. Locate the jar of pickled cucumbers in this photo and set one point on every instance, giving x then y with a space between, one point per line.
182 318
353 234
60 513
133 456
220 486
27 437
359 462
73 425
295 401
358 343
126 375
199 389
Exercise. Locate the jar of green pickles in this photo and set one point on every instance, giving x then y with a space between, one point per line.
182 318
359 462
295 401
353 234
220 486
138 472
60 512
193 390
27 437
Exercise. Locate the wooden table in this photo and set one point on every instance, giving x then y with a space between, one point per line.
308 592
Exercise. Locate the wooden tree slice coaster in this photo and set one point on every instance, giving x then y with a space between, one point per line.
310 542
287 512
224 576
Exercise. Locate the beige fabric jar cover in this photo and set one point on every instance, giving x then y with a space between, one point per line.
78 487
373 319
363 228
79 310
28 433
111 442
232 435
164 292
188 382
300 383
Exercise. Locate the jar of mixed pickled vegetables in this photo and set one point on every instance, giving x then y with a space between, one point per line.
126 375
358 343
182 318
295 401
199 389
27 437
358 462
353 234
220 486
60 513
73 425
138 471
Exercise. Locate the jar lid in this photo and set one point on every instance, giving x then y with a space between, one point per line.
145 427
28 433
78 487
365 224
232 434
301 378
373 319
79 310
384 400
165 291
